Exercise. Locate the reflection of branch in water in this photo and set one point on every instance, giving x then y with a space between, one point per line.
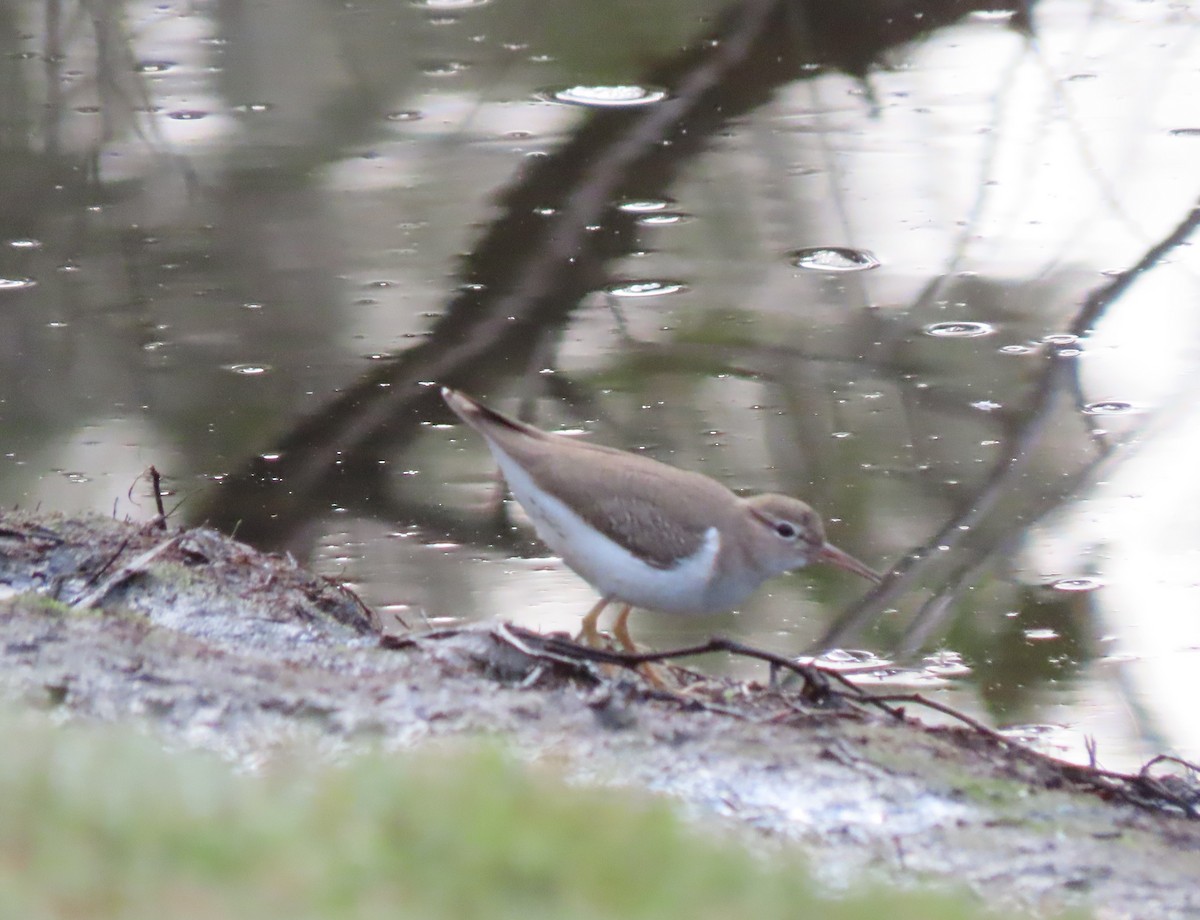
120 87
549 248
1058 382
968 232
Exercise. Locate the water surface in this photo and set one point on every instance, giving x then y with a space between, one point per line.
931 272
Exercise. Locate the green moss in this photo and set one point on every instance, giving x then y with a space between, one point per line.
38 603
105 824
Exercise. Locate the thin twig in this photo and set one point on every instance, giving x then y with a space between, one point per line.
1139 789
156 484
816 678
138 564
108 563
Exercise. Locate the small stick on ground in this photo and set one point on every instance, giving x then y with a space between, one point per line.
156 484
135 566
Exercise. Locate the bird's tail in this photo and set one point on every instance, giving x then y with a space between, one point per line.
478 416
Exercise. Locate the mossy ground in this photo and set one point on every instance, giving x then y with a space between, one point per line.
103 823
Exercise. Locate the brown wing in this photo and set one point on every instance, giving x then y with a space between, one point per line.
644 528
635 501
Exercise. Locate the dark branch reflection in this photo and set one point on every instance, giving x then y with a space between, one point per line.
558 231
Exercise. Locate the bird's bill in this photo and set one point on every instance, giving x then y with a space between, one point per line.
843 560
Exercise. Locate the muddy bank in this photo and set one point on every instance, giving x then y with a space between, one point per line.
216 645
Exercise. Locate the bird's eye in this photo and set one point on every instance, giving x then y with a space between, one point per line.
786 529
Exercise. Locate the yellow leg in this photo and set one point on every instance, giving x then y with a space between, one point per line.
589 633
621 629
654 676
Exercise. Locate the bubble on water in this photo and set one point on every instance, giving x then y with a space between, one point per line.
996 15
248 370
187 114
962 329
1061 338
646 288
1077 584
16 284
444 5
852 658
443 68
833 259
1109 407
618 96
946 664
1040 635
644 205
663 218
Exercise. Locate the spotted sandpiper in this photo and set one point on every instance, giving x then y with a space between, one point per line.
645 534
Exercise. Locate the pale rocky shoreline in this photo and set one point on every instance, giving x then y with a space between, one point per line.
217 646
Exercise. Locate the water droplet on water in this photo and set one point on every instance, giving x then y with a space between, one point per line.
644 205
443 68
1109 407
16 284
847 658
1016 350
187 114
644 288
946 664
959 330
605 96
1080 583
663 218
833 259
248 370
1040 635
25 244
1060 338
440 5
405 115
154 66
997 15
